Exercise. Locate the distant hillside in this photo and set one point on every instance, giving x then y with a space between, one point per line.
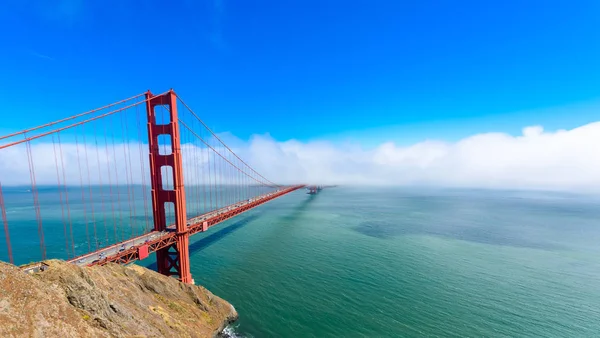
106 301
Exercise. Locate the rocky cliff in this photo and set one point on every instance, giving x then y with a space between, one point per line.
108 301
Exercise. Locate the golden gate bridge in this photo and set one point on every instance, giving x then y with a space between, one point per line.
120 182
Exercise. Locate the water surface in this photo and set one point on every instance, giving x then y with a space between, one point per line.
353 262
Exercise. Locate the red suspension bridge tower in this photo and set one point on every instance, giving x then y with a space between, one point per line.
173 260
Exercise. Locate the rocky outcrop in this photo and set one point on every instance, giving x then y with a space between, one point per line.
106 301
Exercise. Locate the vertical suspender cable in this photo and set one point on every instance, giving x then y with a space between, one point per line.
62 162
89 181
128 182
118 185
5 222
36 201
85 216
110 189
128 159
100 188
62 207
143 169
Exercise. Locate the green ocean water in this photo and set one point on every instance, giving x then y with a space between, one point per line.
400 262
352 262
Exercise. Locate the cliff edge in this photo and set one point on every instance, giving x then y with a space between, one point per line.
106 301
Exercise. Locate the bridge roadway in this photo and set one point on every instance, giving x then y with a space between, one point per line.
128 251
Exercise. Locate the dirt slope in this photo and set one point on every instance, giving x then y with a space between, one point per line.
108 301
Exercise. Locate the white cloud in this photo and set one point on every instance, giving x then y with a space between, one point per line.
561 160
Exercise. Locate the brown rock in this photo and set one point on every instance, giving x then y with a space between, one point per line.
106 301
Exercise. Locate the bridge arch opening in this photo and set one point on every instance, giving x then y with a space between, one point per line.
169 213
164 144
166 173
162 114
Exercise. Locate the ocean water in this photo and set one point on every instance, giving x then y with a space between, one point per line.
352 262
398 262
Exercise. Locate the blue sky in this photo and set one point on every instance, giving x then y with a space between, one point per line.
364 71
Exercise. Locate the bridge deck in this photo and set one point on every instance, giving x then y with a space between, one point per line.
128 251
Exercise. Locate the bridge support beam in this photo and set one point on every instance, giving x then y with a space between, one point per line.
173 260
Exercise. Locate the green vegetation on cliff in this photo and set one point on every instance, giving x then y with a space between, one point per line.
107 301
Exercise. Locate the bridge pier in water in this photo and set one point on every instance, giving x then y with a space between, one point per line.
173 260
